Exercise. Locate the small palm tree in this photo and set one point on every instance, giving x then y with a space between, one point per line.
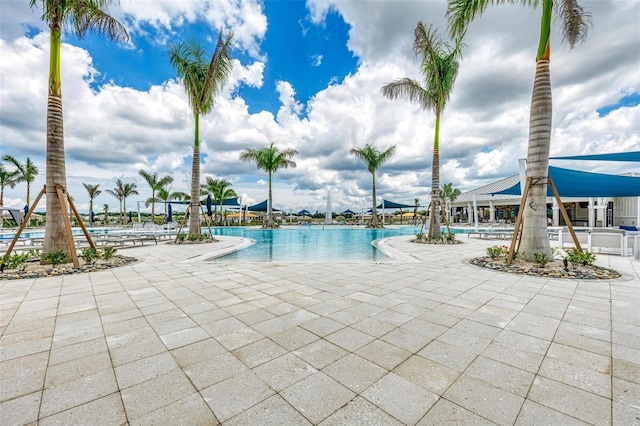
105 207
220 190
202 80
270 159
449 194
574 21
7 178
373 159
122 191
165 195
439 68
128 190
81 17
93 192
156 183
26 172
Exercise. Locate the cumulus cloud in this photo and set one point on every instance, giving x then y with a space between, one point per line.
112 131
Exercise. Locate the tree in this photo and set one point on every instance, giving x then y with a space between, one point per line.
105 207
574 21
122 191
449 194
156 183
373 159
220 190
7 178
93 192
202 80
439 63
26 172
165 195
81 16
270 159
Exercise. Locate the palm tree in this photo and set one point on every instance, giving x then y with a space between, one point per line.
7 178
415 210
220 189
439 68
202 80
105 207
165 195
26 172
449 194
81 16
117 192
270 159
93 192
128 190
156 183
373 159
574 25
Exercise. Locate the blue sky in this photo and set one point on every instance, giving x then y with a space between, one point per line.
307 75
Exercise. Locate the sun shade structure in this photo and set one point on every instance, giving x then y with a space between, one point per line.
260 207
574 183
386 204
633 156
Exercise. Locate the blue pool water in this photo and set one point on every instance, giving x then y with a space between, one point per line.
310 243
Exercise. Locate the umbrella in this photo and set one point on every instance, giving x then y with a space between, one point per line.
26 209
130 216
93 217
169 214
209 205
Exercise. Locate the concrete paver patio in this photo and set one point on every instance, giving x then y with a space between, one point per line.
427 340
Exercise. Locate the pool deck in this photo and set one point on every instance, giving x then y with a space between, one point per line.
428 339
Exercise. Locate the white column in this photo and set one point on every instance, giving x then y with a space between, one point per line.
469 212
638 214
555 212
592 211
492 212
475 210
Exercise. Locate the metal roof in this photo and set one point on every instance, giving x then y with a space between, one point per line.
484 193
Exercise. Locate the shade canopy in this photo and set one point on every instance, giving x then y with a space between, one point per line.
633 156
386 204
304 212
347 211
574 183
260 207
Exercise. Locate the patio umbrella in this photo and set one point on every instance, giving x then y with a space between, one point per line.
169 213
93 217
26 209
130 216
209 205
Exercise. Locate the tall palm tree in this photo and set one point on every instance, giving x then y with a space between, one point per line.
270 159
439 63
26 172
81 16
574 21
156 183
220 189
202 80
7 178
105 207
93 192
373 159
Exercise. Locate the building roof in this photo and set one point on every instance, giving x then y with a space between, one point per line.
489 192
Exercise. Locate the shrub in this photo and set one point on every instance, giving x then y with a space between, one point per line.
495 252
55 258
181 237
541 259
15 260
579 257
109 252
89 255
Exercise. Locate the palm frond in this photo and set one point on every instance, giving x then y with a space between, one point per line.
407 88
87 16
218 71
575 21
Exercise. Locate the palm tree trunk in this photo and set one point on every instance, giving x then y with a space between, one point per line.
269 206
153 205
434 220
374 213
55 235
194 217
534 233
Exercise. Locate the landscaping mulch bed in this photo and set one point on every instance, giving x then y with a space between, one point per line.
554 269
36 270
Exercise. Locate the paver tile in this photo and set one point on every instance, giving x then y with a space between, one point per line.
427 373
214 369
284 371
320 353
445 412
533 413
274 411
501 375
106 410
354 372
383 354
21 410
359 411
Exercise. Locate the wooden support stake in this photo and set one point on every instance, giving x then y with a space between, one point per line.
207 219
516 231
565 216
84 229
67 225
21 228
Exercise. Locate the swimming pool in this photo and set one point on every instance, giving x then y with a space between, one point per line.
312 243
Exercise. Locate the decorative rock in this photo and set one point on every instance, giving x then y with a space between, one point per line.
552 270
